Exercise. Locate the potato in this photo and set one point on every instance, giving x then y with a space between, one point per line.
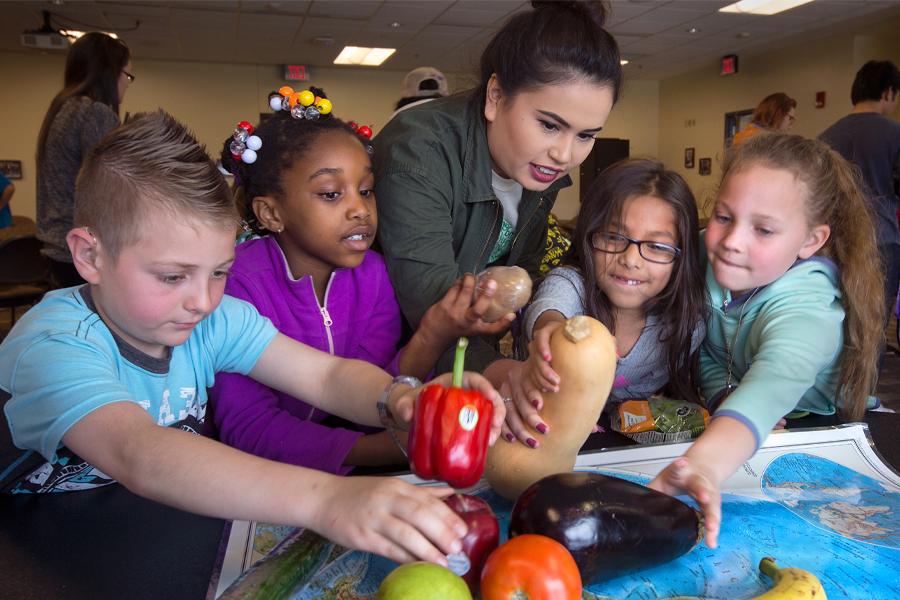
512 293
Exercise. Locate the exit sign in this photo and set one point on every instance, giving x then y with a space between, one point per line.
729 65
296 73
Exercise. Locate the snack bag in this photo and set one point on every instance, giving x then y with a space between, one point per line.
659 420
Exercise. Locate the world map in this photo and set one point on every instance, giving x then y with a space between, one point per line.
807 512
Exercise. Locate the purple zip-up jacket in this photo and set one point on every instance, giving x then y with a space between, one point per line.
360 319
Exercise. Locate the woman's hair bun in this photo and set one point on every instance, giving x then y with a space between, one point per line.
596 10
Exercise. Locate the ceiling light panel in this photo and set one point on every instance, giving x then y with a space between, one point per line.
763 7
359 55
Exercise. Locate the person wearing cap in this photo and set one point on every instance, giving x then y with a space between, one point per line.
421 85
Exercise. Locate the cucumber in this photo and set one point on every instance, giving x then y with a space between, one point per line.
291 563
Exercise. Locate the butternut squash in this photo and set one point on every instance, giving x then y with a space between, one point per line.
584 357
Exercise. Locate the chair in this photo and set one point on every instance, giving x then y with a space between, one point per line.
24 273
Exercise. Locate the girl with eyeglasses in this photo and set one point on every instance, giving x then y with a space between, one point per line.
636 269
97 74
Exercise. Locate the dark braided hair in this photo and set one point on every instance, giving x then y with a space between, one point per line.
285 140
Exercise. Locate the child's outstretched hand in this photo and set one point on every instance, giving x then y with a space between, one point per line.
403 407
389 517
459 313
685 476
541 374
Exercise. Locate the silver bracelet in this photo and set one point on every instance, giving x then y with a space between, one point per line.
384 413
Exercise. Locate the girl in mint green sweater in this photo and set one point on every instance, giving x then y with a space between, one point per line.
796 313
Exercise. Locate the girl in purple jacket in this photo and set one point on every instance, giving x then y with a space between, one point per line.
307 189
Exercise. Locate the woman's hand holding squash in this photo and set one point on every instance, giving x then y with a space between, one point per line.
523 409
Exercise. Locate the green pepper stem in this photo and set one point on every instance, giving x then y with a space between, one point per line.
459 361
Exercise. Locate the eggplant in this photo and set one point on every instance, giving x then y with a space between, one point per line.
611 526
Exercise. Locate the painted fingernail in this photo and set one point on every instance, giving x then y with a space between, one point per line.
531 442
535 403
542 427
509 437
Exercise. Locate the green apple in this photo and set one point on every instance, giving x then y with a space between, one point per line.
423 581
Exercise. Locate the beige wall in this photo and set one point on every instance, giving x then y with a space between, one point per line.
212 97
209 97
635 117
654 116
693 106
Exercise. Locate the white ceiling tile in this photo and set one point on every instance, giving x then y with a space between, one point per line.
209 5
193 20
320 26
479 13
344 9
271 29
411 13
290 7
448 34
135 10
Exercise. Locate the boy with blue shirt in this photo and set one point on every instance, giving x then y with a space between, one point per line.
107 381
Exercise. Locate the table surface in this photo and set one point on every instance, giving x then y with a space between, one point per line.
110 543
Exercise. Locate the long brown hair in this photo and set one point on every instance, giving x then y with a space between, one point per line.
835 199
683 303
93 65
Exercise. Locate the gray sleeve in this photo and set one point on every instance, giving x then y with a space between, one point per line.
562 290
99 120
698 336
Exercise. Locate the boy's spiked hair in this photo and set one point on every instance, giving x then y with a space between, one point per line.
151 164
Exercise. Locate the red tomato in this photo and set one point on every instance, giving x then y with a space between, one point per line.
531 567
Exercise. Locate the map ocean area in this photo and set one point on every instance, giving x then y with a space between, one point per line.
821 500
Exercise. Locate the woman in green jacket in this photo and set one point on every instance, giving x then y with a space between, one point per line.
468 181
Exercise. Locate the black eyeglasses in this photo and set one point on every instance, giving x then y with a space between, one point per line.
129 76
616 243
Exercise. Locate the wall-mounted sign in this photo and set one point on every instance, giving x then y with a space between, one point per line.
729 65
296 73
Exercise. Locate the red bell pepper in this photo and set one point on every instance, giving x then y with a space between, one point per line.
448 438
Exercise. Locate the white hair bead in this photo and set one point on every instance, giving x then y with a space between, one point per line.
254 143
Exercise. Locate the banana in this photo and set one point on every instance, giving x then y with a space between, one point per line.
790 584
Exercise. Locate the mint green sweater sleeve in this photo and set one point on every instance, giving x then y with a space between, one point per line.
787 344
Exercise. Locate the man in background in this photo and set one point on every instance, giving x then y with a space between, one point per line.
870 139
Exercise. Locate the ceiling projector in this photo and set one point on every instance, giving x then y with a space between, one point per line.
45 37
44 40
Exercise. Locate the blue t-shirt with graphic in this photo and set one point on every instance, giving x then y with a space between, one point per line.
61 362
